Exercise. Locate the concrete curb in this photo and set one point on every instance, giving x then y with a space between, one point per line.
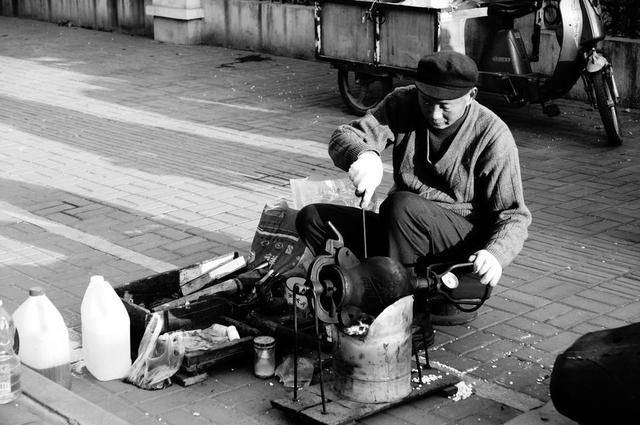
62 402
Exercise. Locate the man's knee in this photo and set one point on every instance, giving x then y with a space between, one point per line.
305 217
401 206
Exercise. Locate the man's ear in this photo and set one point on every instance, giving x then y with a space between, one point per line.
471 95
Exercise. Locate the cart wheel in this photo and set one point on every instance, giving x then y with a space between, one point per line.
362 91
602 83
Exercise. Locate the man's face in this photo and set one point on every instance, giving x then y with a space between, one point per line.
440 114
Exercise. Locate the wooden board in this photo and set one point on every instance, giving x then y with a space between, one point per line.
344 34
406 35
308 407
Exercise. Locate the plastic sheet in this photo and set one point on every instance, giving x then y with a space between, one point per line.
158 360
284 371
335 191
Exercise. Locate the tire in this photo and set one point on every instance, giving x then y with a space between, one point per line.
602 82
361 91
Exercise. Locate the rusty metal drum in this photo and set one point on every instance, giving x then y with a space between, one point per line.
376 368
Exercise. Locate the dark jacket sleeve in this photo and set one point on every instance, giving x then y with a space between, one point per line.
373 132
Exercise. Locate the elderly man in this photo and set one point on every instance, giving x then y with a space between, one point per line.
457 193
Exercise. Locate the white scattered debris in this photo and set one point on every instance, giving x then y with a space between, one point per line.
196 413
464 391
359 329
427 379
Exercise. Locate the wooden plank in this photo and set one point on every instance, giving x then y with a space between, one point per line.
186 379
219 272
200 360
198 270
304 401
336 414
223 288
308 409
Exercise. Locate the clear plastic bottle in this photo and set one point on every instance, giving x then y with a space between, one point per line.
9 361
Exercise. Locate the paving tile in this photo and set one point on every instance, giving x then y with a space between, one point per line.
557 343
463 408
184 417
524 298
549 311
500 303
170 401
470 343
410 414
571 318
495 350
533 326
489 318
630 312
513 333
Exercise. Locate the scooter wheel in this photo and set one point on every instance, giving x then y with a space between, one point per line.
602 83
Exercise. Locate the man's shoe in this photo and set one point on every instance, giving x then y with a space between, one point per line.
446 314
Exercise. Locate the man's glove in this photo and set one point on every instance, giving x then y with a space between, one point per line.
486 265
366 174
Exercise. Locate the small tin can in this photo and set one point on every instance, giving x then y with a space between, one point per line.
264 348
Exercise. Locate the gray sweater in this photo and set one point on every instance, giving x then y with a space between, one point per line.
478 176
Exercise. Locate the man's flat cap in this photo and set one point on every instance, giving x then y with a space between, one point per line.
446 75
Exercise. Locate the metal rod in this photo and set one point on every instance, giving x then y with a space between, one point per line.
364 232
315 309
426 351
415 350
295 343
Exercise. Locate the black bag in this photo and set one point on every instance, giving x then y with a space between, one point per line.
596 381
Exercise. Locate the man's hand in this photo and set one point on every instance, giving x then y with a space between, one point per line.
487 267
366 174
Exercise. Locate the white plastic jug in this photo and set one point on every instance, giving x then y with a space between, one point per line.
43 337
105 331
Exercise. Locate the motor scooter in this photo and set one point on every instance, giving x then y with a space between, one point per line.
497 46
505 68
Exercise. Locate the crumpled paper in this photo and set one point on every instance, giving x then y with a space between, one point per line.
198 339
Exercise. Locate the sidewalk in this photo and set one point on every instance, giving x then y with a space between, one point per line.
126 157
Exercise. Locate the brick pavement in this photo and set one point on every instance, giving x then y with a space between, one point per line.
122 156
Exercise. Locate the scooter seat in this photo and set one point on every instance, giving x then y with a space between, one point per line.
511 8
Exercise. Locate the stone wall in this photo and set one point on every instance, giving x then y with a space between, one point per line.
278 28
108 15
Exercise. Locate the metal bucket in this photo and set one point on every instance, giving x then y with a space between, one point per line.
376 368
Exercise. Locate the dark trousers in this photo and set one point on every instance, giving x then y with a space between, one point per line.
408 229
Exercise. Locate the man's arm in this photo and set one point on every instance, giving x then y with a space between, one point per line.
373 132
501 187
356 147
